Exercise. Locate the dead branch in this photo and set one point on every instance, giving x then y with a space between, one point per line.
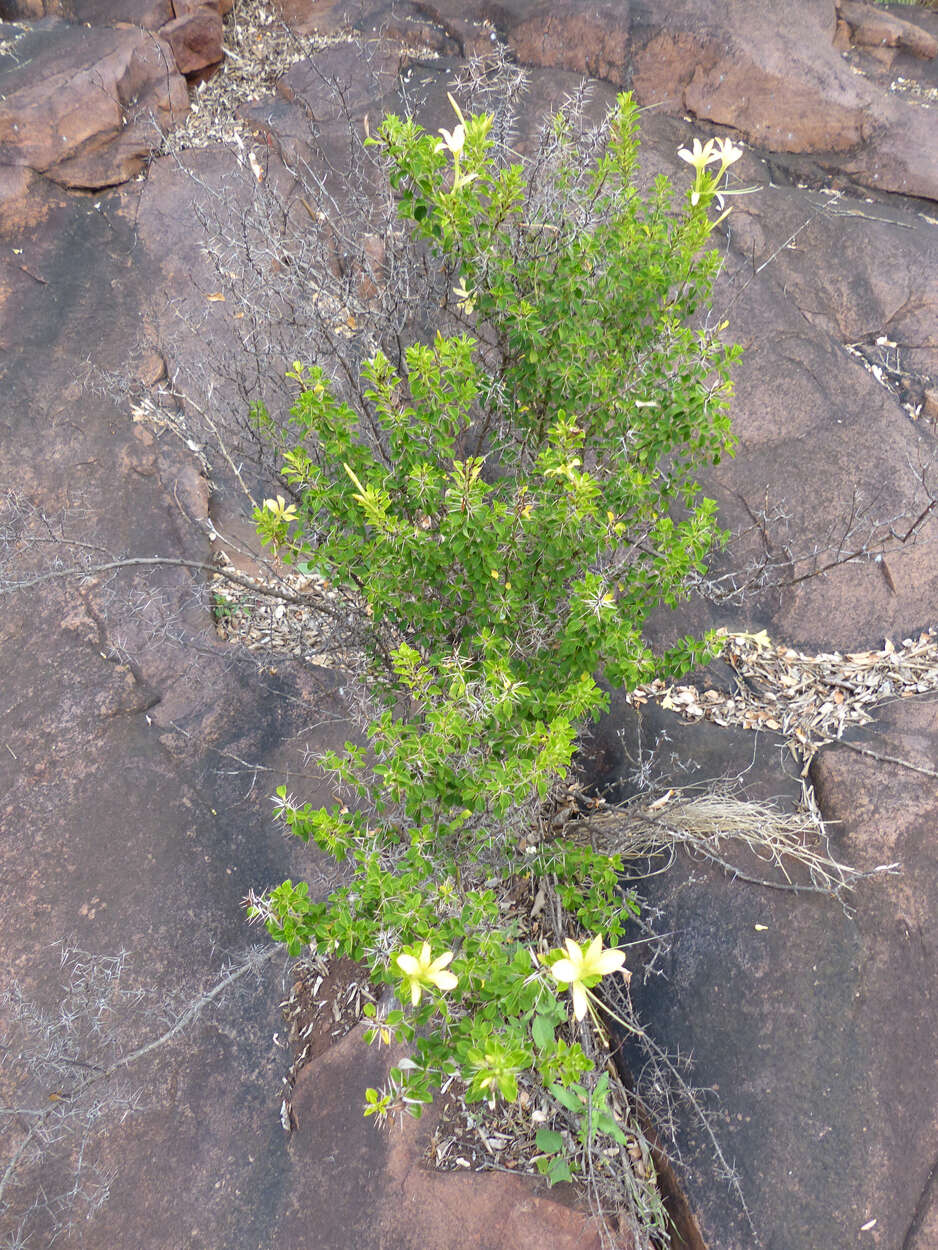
883 758
95 1010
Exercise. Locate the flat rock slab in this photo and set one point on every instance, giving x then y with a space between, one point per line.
372 1190
126 822
812 1028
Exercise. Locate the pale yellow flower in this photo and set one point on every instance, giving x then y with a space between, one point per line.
455 140
465 301
581 970
722 152
421 972
282 510
727 153
701 156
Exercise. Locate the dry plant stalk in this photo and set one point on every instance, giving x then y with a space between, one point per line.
773 848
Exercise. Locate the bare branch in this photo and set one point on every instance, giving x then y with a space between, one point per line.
95 1011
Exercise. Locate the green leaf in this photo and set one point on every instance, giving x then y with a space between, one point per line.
548 1141
542 1031
567 1098
559 1171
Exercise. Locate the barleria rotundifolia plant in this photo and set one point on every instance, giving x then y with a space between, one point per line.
508 507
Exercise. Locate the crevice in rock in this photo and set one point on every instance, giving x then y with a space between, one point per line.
922 1207
882 358
686 1230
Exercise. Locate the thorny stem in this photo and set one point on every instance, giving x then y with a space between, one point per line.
256 958
303 601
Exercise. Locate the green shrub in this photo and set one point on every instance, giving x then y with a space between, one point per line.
528 492
508 508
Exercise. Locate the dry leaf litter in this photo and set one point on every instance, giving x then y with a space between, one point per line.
259 49
290 630
810 699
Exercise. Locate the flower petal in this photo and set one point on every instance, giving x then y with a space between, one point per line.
565 970
728 151
444 980
456 109
609 961
579 1000
408 965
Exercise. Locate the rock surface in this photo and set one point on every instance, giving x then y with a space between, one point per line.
195 39
375 1190
131 817
85 107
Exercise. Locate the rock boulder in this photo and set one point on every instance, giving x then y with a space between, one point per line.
86 106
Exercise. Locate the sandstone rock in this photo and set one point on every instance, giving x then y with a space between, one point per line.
383 1195
324 17
196 39
96 808
87 105
584 36
814 1029
408 24
870 27
182 8
773 111
148 14
784 86
345 76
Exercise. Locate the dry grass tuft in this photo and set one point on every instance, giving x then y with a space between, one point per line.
750 840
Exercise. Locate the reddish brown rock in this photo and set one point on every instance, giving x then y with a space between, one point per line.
584 36
408 25
773 111
324 17
182 8
344 76
783 85
196 40
378 1192
870 27
815 1030
87 105
148 14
